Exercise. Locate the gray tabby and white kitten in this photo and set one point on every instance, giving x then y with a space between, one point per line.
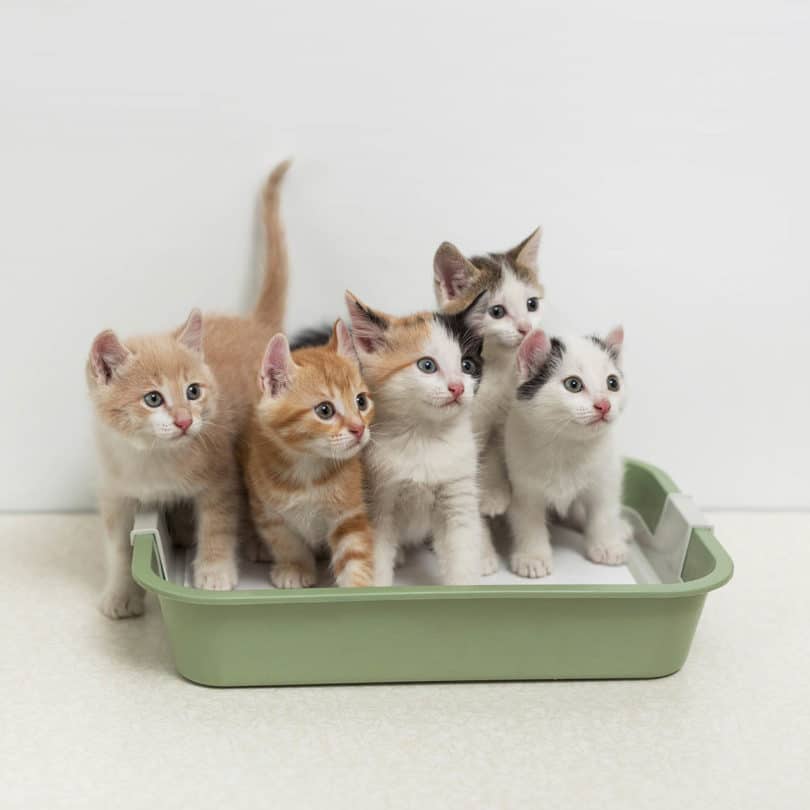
499 297
560 451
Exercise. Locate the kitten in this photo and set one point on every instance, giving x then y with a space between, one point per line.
168 410
499 297
301 459
559 446
422 371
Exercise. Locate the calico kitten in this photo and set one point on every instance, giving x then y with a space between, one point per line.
422 371
301 461
560 451
168 410
499 297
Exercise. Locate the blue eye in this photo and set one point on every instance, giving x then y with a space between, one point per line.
497 311
153 399
613 382
469 366
573 384
326 410
427 365
532 304
193 391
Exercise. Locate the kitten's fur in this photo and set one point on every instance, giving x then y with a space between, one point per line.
185 447
560 451
470 288
303 472
422 460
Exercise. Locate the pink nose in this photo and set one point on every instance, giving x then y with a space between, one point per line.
524 327
602 405
456 389
357 430
184 424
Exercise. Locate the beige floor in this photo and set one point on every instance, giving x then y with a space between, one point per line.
93 715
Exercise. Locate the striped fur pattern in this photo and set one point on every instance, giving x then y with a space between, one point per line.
559 447
500 298
168 409
302 465
423 371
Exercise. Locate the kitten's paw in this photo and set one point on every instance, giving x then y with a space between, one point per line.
121 604
489 562
216 576
610 552
292 575
494 501
531 566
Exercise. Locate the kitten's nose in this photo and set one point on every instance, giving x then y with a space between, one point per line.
183 422
524 327
602 405
357 430
456 389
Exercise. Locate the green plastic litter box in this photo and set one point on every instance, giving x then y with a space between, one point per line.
584 621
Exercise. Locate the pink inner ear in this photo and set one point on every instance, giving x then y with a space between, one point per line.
277 366
368 329
106 355
533 352
345 345
191 333
451 271
615 338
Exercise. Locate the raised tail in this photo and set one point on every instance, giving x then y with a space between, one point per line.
272 301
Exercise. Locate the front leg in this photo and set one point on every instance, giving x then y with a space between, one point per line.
494 480
458 532
122 596
352 548
606 533
386 537
531 550
218 511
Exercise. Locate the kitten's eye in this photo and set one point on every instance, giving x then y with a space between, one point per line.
193 391
427 364
497 311
469 366
573 384
326 410
532 304
153 399
362 401
613 383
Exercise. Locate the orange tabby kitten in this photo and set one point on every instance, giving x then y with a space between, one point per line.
169 409
301 460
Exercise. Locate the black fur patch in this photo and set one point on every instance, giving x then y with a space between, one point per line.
470 343
310 338
528 389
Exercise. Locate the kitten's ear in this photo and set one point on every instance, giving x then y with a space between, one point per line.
615 341
190 334
278 368
106 354
368 326
453 274
532 353
527 251
341 341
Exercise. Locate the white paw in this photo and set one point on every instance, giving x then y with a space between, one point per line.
121 604
527 565
610 552
489 562
215 576
289 575
494 501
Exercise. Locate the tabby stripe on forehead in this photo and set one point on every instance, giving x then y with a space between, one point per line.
528 389
291 418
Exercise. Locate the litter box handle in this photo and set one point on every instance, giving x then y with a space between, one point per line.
153 523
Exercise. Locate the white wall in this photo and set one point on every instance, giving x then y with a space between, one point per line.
664 151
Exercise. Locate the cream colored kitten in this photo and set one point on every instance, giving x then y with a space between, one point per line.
168 411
